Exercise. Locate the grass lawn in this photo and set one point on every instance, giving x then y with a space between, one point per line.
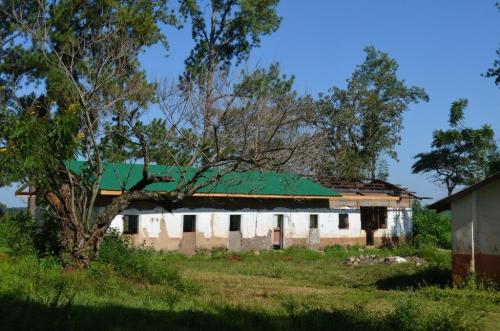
291 289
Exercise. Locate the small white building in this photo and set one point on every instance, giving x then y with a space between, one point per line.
260 210
475 214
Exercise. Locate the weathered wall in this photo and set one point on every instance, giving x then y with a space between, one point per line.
477 215
164 230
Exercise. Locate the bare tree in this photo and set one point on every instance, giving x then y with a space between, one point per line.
100 84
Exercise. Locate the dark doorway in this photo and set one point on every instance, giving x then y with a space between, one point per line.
373 218
278 232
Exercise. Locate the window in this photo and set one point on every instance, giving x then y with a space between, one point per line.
313 221
234 222
189 223
343 221
130 224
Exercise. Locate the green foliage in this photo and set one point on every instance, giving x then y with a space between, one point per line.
22 235
494 72
16 234
457 112
3 209
78 65
459 155
383 169
232 29
494 165
475 283
409 316
52 120
139 264
313 292
364 121
28 134
266 83
430 228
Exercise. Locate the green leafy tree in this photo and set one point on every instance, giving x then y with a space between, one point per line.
78 64
494 72
170 145
228 33
363 122
86 98
459 155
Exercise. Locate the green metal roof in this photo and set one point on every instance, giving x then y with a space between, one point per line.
118 175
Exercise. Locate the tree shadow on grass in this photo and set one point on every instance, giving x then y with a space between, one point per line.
18 314
430 276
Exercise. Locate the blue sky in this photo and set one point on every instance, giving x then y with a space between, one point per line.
442 46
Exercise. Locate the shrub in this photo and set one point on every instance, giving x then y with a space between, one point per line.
435 255
16 234
408 315
137 263
3 209
404 250
430 228
22 235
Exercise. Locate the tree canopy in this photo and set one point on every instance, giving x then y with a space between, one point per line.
228 33
363 122
73 87
459 155
494 71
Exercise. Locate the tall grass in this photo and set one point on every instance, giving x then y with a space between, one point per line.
296 289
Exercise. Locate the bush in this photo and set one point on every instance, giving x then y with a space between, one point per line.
17 234
3 209
430 228
408 315
137 263
22 235
435 255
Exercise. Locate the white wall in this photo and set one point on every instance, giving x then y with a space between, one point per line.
215 222
487 223
399 222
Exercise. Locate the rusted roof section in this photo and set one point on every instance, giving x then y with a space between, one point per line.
445 204
367 186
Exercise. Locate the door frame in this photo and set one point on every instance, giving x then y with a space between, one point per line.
280 218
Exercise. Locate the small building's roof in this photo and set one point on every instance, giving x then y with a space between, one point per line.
445 204
118 177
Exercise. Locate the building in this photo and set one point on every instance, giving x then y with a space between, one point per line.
384 209
257 211
475 215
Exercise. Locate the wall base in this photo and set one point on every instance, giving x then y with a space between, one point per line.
487 266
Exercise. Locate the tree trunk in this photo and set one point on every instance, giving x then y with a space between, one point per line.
32 202
80 246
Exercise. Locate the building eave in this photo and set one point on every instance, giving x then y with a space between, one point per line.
445 203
